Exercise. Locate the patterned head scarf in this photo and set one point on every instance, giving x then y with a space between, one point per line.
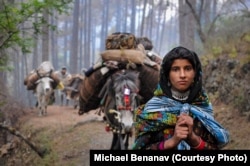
160 113
181 53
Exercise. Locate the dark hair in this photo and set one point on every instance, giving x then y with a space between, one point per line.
178 53
181 53
146 42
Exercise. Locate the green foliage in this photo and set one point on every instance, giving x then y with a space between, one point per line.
231 32
13 17
216 50
233 53
246 37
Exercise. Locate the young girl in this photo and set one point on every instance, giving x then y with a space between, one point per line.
180 115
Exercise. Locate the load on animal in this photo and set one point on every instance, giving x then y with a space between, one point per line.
42 81
72 90
123 52
118 56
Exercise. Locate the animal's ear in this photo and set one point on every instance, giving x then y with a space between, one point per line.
51 80
37 81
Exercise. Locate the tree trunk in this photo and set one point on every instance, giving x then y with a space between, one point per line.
133 16
186 24
54 50
45 37
74 39
143 17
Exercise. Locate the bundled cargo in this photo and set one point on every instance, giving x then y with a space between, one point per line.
124 55
120 40
149 78
30 80
122 52
46 69
90 88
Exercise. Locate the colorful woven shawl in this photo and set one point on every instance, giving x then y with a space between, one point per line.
160 113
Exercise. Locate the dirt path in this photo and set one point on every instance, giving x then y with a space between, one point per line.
68 135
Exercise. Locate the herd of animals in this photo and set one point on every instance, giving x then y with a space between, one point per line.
45 82
124 78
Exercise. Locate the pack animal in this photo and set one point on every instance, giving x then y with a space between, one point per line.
43 92
72 90
120 97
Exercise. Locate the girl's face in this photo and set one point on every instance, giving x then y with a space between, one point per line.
181 75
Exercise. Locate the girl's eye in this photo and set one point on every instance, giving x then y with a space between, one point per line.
189 68
175 69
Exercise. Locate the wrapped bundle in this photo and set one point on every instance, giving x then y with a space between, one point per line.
30 80
90 89
45 69
121 51
147 73
120 41
124 55
54 77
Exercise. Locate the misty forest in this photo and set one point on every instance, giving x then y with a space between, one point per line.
73 33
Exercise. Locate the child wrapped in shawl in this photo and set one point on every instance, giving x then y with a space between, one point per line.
180 115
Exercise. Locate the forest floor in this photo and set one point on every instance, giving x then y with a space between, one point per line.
69 137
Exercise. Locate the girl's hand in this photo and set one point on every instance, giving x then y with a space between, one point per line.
188 121
192 138
180 133
181 129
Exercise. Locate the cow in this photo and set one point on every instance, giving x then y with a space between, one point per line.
72 90
43 92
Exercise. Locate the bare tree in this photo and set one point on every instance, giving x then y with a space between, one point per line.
186 23
119 16
133 16
143 17
104 23
66 42
45 37
53 36
74 39
125 15
89 29
81 29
